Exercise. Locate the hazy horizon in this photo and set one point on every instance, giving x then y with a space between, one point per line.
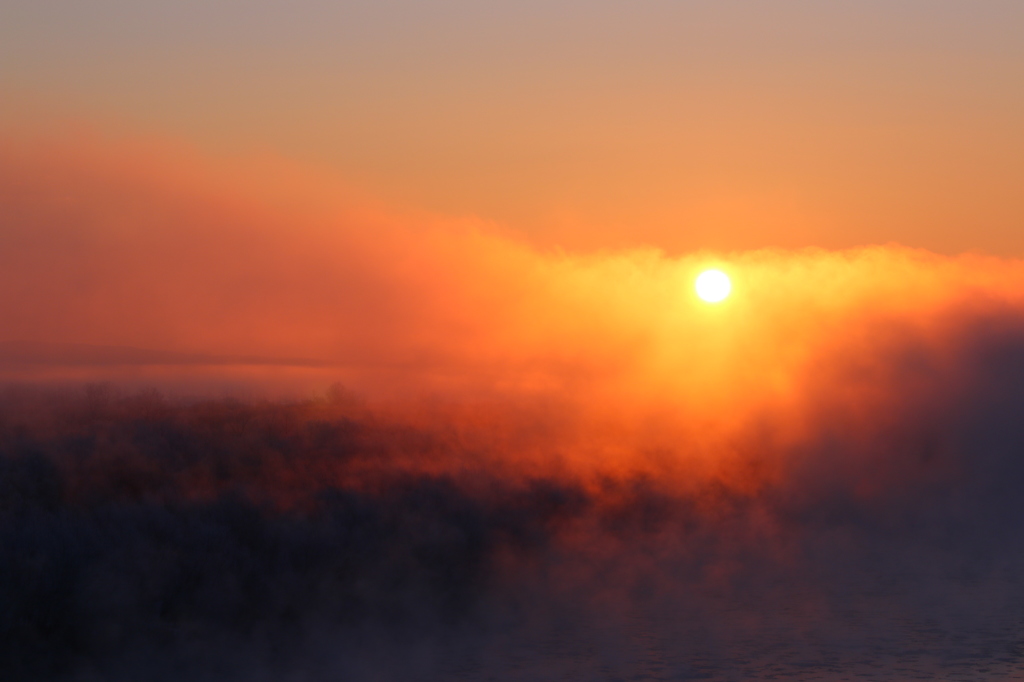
363 341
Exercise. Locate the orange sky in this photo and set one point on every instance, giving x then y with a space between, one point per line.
440 258
720 125
509 203
264 278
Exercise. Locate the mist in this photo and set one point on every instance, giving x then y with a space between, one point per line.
252 428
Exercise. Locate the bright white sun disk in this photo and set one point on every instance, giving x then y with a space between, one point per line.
713 286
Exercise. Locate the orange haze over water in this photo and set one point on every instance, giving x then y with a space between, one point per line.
150 267
360 340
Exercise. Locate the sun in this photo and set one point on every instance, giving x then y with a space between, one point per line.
713 286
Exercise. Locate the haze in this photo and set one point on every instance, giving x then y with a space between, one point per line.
680 125
360 341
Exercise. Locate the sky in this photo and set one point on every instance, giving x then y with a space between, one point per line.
360 340
680 125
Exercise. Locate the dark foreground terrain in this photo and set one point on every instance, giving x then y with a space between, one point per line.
157 539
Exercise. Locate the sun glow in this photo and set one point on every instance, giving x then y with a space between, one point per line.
713 286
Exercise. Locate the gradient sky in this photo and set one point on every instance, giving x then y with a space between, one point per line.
452 446
683 125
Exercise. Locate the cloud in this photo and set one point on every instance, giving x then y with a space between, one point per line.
535 464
